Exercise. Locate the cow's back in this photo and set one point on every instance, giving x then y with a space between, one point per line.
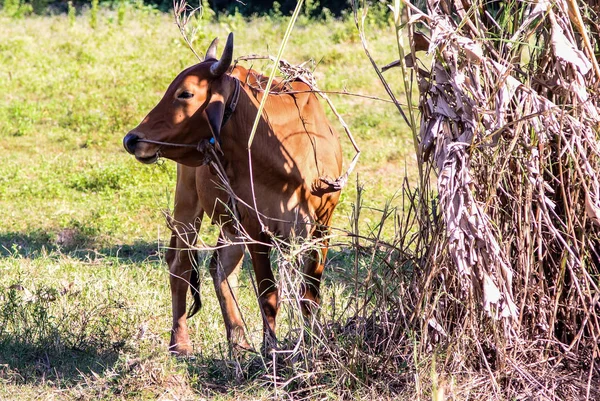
298 149
292 109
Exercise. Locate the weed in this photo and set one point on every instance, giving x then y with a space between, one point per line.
16 9
94 14
121 10
99 179
71 13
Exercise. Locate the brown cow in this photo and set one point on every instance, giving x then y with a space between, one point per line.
294 150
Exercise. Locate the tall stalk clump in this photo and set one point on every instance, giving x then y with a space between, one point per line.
510 126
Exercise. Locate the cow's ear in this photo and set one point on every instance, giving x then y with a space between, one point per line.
220 92
214 114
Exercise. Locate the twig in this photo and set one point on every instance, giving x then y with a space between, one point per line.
183 12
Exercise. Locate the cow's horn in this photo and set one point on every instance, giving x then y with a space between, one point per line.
212 50
220 67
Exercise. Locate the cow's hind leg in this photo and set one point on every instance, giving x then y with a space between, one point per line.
181 259
224 269
313 271
268 296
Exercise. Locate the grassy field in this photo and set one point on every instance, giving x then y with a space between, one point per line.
84 298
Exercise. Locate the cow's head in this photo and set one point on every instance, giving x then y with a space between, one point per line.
190 111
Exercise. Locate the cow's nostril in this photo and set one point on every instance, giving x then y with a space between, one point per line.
129 142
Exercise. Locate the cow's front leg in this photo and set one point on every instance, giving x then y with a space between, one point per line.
181 262
181 259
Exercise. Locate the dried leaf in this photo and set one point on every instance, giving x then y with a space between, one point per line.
565 50
420 42
436 326
592 210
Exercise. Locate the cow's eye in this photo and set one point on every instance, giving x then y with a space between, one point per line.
185 95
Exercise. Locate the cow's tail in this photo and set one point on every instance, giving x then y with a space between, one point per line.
195 290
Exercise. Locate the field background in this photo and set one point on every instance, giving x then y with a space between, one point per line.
84 298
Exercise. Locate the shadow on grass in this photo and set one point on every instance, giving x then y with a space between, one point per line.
34 364
254 376
214 376
74 244
59 335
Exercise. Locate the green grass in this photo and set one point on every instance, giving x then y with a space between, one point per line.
84 298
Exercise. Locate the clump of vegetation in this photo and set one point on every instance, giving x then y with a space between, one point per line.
507 258
94 14
41 319
101 179
16 8
71 13
121 10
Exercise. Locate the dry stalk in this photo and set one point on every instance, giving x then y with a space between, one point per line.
183 12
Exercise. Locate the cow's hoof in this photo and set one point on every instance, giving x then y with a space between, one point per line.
243 344
239 350
181 350
269 346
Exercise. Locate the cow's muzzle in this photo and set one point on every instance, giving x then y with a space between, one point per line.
131 142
